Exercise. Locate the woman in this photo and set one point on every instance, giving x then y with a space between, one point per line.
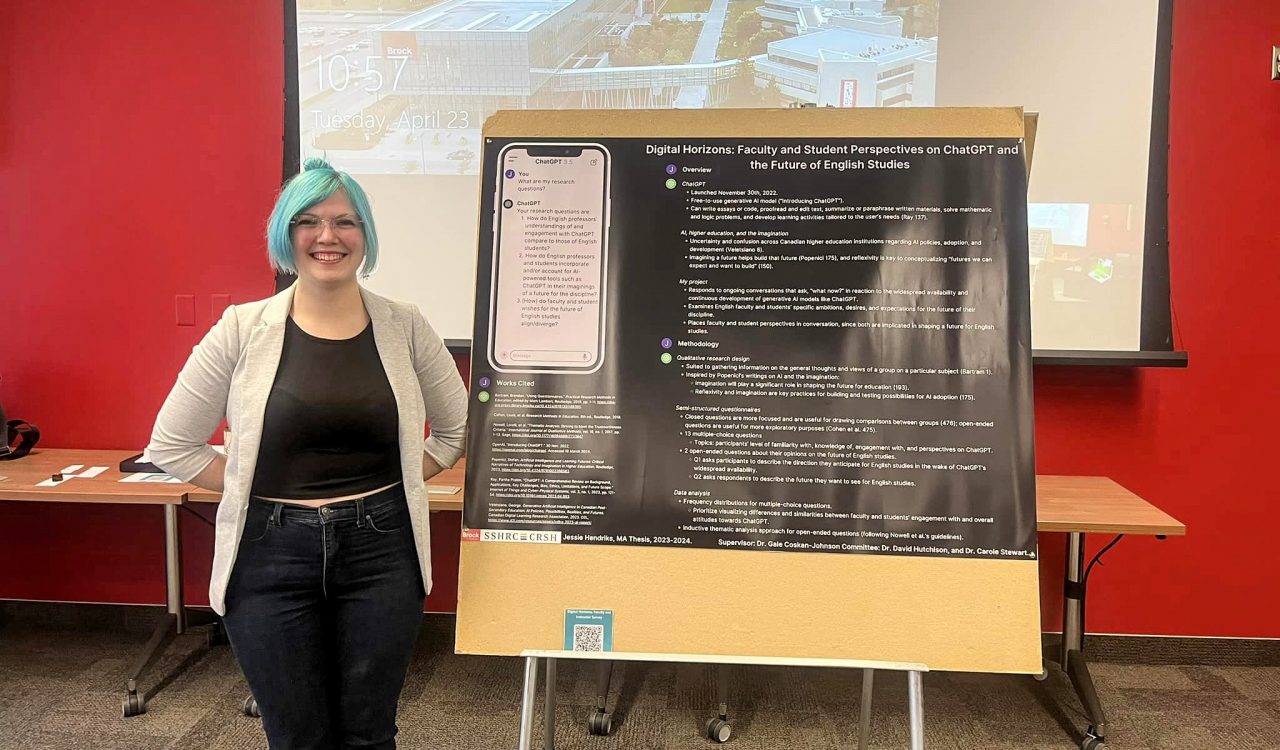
321 559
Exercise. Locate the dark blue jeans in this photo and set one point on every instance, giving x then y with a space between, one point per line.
323 609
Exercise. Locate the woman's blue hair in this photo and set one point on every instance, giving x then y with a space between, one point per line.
315 183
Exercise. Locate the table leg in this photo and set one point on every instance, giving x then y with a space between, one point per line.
175 621
1072 658
135 703
173 569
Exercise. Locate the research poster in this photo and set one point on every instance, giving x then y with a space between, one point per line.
808 345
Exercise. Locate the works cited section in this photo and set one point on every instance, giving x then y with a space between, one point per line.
551 457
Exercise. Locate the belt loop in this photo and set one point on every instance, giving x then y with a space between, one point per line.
360 512
275 513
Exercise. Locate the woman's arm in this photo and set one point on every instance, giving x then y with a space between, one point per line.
444 395
196 406
211 476
429 467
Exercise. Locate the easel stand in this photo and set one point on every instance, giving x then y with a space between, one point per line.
533 657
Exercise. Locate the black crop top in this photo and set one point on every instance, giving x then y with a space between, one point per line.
331 426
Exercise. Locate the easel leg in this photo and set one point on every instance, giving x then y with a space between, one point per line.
722 690
526 702
549 708
604 675
600 722
864 720
915 709
719 729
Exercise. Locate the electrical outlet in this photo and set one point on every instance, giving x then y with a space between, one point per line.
1275 63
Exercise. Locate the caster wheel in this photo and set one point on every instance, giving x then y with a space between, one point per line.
719 730
133 705
1091 742
600 723
1044 675
250 708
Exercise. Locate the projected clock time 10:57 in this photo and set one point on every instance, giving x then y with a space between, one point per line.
336 72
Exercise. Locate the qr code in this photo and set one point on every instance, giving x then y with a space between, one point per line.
588 637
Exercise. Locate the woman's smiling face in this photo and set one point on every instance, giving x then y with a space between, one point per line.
328 242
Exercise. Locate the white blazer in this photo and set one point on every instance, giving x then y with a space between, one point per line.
230 373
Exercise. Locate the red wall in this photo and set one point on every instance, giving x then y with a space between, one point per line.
1197 442
140 148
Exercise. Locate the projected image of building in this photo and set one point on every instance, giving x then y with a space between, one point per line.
804 16
485 55
845 53
411 97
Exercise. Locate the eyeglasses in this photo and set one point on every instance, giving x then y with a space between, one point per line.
309 224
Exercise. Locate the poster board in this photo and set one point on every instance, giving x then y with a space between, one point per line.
946 609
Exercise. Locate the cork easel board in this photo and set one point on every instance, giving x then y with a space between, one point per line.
959 614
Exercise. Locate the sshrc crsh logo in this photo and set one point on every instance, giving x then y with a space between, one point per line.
532 537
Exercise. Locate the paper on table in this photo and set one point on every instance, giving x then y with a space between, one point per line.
151 478
69 472
443 489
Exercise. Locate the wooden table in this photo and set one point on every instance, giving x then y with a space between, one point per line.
24 473
20 484
1077 506
1098 505
1072 505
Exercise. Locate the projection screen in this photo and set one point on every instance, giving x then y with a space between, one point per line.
396 91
